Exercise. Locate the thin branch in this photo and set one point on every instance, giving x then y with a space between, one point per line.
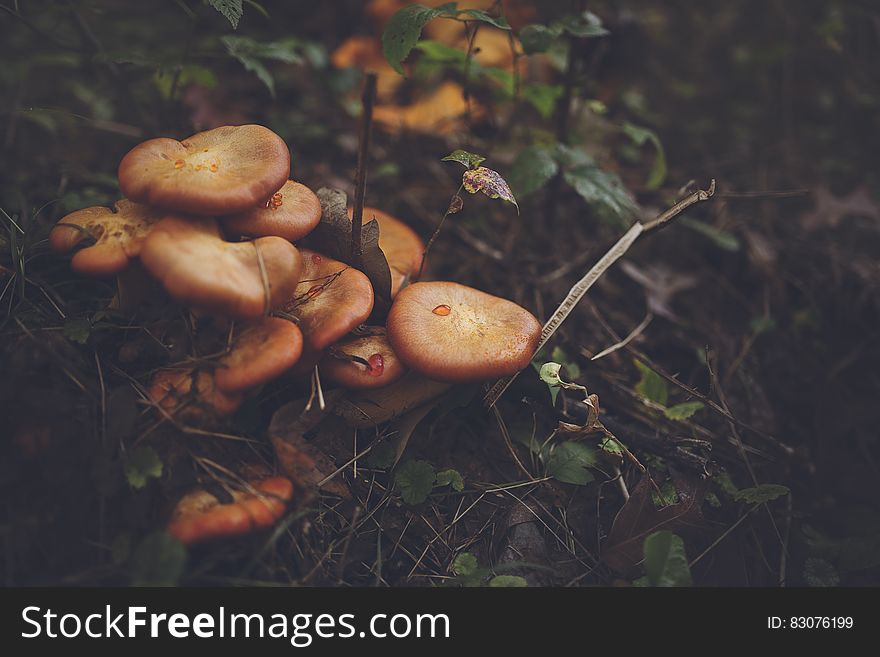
360 179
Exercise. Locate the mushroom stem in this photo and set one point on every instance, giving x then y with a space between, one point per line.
360 182
450 209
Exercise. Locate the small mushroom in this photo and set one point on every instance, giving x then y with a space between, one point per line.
366 361
119 234
200 516
221 171
451 332
172 390
234 279
292 213
261 352
330 300
403 249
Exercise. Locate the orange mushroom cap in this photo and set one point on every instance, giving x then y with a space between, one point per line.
292 213
198 268
451 332
200 516
220 171
261 352
330 300
403 249
119 234
362 362
172 390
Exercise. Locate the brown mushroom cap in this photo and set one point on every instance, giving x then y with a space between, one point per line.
362 362
119 234
172 390
292 213
198 268
260 353
452 332
220 171
330 300
200 516
403 249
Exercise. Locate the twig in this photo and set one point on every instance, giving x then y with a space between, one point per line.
452 208
637 331
360 177
580 288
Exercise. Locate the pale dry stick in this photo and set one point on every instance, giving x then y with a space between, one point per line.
580 288
636 332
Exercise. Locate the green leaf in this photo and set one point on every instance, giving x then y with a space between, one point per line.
569 461
542 97
533 168
404 28
251 53
537 38
682 411
611 446
77 330
572 370
415 479
480 15
143 464
721 238
549 374
191 74
820 573
231 10
761 494
489 182
587 25
651 386
602 190
639 136
451 478
465 564
158 560
470 160
508 581
666 562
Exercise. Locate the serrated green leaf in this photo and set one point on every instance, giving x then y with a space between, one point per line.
761 494
489 182
482 16
639 136
721 238
533 168
666 562
683 411
250 54
651 386
470 160
537 38
465 564
451 478
143 464
602 190
404 28
568 463
158 560
231 10
508 581
77 330
414 480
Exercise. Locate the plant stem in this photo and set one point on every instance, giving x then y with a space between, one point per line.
437 231
360 178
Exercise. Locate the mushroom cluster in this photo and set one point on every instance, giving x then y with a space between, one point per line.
215 221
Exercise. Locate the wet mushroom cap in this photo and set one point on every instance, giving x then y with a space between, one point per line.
402 247
220 171
198 268
362 362
292 212
119 234
200 516
260 352
330 300
172 390
451 332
